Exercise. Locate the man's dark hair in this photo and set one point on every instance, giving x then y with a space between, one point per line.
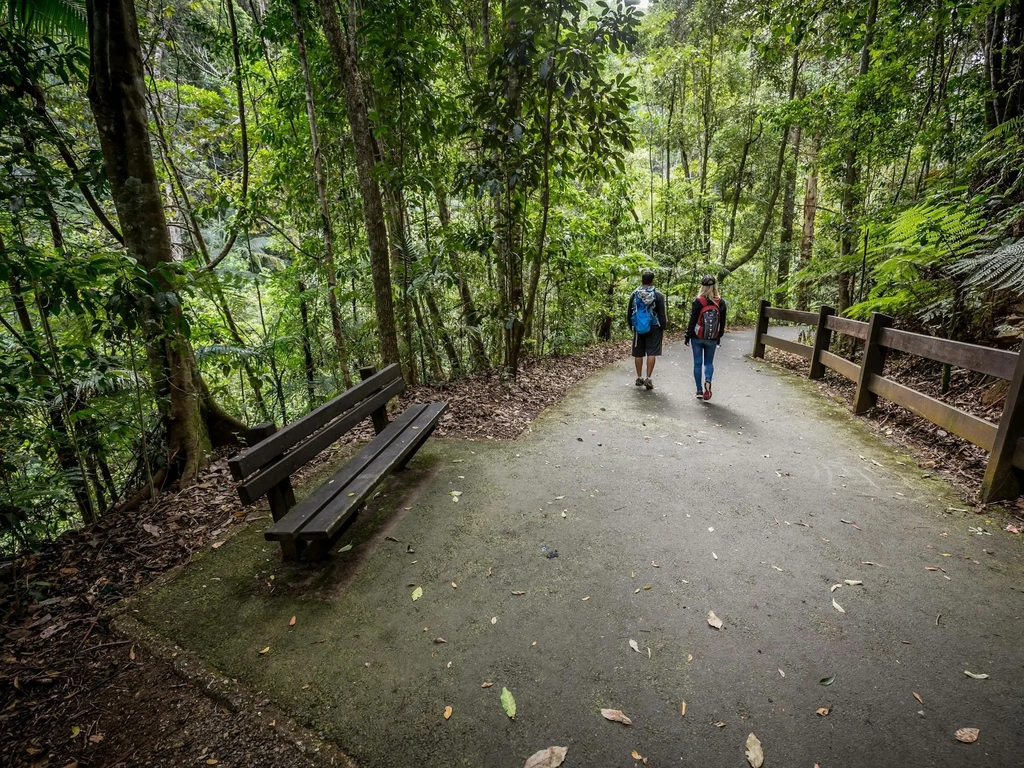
647 278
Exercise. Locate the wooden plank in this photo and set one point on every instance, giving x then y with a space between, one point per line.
262 453
973 357
792 315
379 416
787 346
848 327
253 488
330 520
872 363
978 431
761 330
1018 456
309 507
841 365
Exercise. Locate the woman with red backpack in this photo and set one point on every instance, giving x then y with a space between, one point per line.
704 333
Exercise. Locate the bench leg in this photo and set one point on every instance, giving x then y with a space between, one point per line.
317 550
291 550
426 435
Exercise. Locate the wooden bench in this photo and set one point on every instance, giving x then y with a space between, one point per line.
312 526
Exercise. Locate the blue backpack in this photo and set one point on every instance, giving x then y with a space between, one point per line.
644 312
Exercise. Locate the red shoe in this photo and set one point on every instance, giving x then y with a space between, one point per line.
707 390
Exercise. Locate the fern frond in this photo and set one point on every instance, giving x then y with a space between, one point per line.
50 17
1001 269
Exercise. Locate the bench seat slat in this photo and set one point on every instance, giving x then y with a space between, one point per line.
253 488
326 524
267 450
289 526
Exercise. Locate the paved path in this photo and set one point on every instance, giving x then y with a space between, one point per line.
672 508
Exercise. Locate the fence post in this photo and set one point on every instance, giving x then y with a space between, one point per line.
871 363
1002 480
762 329
379 416
822 340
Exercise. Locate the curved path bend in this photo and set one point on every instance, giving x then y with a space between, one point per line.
661 508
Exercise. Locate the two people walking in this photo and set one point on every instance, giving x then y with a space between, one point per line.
645 314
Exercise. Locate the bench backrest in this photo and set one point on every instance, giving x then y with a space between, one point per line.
274 459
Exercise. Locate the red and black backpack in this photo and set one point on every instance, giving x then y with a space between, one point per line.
709 321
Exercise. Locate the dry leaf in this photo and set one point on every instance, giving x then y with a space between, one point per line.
682 710
616 715
440 640
494 619
714 555
835 587
837 606
636 755
714 621
454 585
519 592
96 738
265 650
417 593
291 622
486 685
967 735
754 754
782 673
719 725
634 646
585 599
822 711
552 757
918 697
976 677
447 713
853 583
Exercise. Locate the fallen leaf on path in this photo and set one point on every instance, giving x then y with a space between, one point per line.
346 548
720 724
648 586
508 703
291 622
655 564
494 619
585 599
837 606
871 562
265 651
552 757
218 544
486 685
683 709
853 583
835 587
559 498
714 621
634 646
976 677
96 738
967 735
456 493
918 696
616 715
755 756
822 711
447 712
714 555
782 673
636 755
519 592
827 680
440 640
153 530
933 568
417 593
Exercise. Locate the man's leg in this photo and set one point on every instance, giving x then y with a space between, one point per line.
651 360
639 366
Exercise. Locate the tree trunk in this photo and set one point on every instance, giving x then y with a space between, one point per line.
747 144
325 211
810 211
788 215
307 350
373 208
117 98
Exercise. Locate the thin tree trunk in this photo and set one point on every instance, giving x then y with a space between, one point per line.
747 144
810 211
470 316
325 211
307 350
117 99
788 216
373 208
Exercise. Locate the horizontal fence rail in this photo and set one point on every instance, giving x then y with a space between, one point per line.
1004 440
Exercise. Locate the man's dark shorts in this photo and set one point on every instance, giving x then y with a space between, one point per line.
647 344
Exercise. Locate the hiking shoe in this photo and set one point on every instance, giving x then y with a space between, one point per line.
700 395
639 381
648 383
707 390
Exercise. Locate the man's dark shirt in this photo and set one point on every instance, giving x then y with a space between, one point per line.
659 309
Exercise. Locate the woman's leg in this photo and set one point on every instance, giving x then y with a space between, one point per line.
709 360
698 359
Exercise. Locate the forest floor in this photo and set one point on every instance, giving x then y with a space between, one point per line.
74 691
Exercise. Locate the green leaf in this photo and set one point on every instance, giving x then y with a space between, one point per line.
508 703
417 594
827 680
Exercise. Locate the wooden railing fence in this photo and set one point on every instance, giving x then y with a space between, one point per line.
1004 440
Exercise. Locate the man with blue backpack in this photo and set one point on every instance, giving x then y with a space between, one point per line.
645 314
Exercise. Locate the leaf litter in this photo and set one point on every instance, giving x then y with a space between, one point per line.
508 703
552 757
714 621
755 755
616 715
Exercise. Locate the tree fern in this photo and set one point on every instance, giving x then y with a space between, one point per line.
51 17
1001 269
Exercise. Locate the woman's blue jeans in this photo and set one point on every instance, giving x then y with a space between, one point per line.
703 355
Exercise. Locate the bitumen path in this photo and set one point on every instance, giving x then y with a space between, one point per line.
661 508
